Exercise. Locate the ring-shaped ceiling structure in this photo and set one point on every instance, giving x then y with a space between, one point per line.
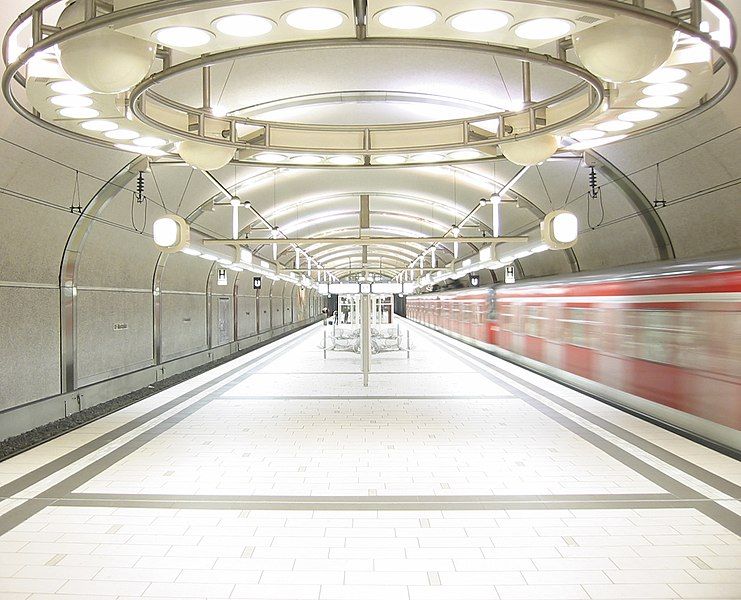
150 118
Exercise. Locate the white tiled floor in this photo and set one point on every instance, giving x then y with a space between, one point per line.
303 426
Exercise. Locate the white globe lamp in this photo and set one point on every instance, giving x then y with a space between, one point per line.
559 229
206 157
530 151
171 233
626 48
105 61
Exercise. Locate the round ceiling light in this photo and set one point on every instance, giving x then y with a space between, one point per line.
615 125
428 157
626 48
183 37
307 159
657 102
638 115
149 142
390 159
141 150
103 60
464 154
99 125
543 29
244 26
70 88
481 20
68 101
665 89
122 134
587 134
345 160
270 157
206 157
79 112
665 75
315 19
407 17
530 151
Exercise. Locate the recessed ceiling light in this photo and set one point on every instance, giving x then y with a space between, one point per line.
665 89
79 112
427 157
315 19
183 37
657 101
543 29
587 134
390 159
638 115
665 75
122 134
479 21
69 101
307 159
464 154
615 125
99 125
244 26
150 142
407 17
270 157
595 143
70 87
141 150
345 160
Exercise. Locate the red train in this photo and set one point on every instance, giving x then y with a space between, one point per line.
663 339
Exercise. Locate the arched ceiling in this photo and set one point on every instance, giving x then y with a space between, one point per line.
698 174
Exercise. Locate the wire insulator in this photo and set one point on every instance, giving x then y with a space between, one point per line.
140 188
592 183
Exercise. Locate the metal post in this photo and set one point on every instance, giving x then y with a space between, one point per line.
409 345
325 340
365 336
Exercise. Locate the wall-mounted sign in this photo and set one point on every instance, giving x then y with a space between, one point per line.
509 274
221 278
475 280
256 283
120 326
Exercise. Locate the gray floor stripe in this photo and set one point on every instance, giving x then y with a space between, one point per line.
696 471
19 514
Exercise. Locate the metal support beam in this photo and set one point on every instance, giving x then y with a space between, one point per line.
372 241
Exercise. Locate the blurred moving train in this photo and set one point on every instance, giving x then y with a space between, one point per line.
663 340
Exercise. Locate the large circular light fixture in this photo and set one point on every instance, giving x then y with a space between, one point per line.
481 20
307 159
657 102
149 142
407 17
315 19
270 157
104 60
183 37
244 26
530 151
428 157
543 29
141 150
206 157
465 154
625 48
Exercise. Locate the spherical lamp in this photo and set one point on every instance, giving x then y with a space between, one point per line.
206 157
105 61
530 151
626 48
